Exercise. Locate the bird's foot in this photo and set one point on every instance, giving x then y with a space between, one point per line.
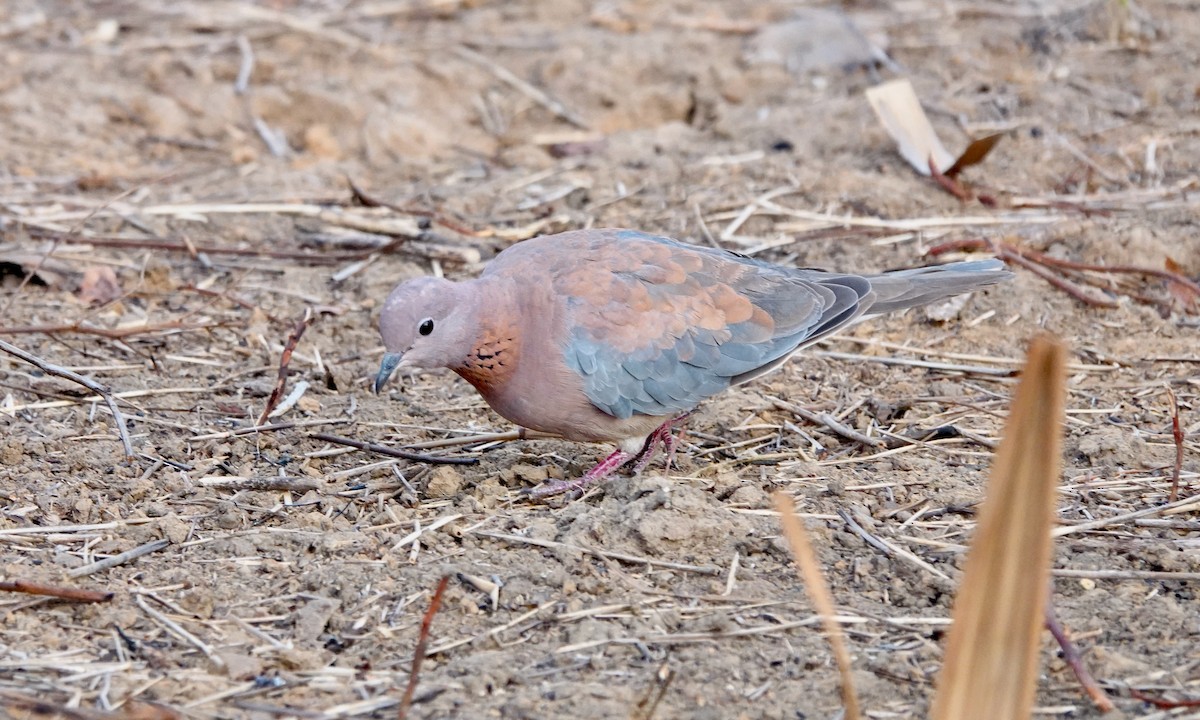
665 438
603 469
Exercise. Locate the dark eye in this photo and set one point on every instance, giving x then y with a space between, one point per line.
426 326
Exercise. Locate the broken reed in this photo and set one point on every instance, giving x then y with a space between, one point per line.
991 664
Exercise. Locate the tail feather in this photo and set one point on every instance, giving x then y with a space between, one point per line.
904 289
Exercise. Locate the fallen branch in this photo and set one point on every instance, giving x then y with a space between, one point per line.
88 383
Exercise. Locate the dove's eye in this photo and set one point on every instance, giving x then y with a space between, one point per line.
426 326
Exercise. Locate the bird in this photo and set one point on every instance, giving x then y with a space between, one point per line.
615 335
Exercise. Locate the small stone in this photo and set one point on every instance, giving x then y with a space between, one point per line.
319 141
175 530
445 482
240 667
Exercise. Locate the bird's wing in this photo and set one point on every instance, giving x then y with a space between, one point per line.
655 326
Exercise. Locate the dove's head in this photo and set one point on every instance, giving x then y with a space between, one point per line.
426 322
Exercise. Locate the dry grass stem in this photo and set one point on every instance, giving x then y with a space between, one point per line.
118 559
818 592
991 665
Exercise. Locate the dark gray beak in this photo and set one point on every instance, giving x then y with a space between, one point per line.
390 362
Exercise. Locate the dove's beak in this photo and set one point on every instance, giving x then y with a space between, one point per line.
391 361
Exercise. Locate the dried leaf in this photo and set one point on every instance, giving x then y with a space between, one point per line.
896 105
99 285
974 154
991 666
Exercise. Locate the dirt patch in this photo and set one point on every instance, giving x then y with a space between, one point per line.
128 121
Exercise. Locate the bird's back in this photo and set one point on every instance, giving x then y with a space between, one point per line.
652 326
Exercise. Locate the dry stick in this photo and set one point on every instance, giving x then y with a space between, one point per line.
393 452
177 630
119 559
533 93
818 592
1177 434
648 705
887 548
88 383
827 420
1117 519
285 358
119 333
419 652
254 429
263 483
1162 703
1066 286
1033 256
1074 660
56 591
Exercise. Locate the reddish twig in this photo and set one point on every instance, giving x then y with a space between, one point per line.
1044 259
1177 434
419 652
75 377
56 591
284 359
1162 703
393 452
1074 660
948 183
1070 288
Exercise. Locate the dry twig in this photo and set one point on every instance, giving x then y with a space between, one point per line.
1074 660
88 383
284 358
56 591
1177 436
393 452
419 652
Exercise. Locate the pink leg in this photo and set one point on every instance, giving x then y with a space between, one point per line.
663 437
606 467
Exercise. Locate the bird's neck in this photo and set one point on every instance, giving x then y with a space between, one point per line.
495 349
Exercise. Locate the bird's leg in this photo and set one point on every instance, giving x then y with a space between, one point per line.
603 469
663 437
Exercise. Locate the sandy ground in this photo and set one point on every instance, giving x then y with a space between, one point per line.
175 250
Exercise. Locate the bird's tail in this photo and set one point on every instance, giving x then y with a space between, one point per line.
903 289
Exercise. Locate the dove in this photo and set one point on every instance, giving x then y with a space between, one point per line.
614 336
